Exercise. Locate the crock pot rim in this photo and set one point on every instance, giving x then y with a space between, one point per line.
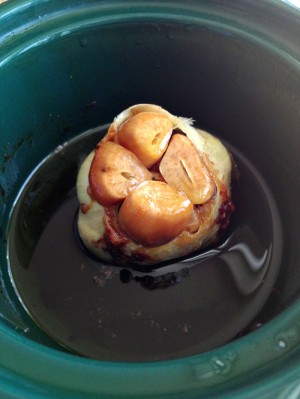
190 367
200 373
172 10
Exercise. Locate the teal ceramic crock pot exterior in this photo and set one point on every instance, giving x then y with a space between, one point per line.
67 66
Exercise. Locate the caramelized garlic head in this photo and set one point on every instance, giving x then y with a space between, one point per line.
155 188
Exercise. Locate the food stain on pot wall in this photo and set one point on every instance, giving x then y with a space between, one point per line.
9 167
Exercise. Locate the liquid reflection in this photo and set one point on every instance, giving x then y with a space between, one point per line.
242 253
247 260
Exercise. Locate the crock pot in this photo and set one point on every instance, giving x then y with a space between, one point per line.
67 66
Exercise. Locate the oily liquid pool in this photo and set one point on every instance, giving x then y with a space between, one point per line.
111 313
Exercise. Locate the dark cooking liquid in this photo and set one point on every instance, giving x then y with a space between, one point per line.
112 313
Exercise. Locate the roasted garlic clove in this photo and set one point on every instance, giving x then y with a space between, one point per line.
154 213
114 172
183 168
146 134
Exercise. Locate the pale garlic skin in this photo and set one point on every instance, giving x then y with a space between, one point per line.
91 226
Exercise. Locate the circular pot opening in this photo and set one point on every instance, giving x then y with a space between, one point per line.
66 68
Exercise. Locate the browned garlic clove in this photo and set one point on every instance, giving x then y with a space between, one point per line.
146 134
183 168
154 213
114 172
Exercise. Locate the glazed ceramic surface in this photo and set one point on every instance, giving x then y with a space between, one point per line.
68 66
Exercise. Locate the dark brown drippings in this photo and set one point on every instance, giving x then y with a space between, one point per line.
225 212
113 234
